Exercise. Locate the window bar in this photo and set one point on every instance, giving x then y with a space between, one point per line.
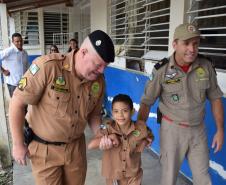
151 3
205 9
209 48
213 35
210 16
157 16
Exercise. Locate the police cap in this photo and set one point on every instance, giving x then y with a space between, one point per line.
186 31
103 45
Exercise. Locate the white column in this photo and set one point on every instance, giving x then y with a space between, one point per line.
177 16
5 155
98 15
41 30
4 25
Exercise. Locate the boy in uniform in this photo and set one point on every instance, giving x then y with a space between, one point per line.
122 163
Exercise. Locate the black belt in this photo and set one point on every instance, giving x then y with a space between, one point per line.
40 140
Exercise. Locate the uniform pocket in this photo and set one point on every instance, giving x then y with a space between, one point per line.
59 102
203 85
32 148
38 153
173 93
90 104
172 87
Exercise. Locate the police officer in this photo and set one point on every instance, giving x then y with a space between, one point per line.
64 92
183 83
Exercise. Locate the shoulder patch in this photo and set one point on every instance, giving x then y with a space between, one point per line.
33 69
22 83
161 63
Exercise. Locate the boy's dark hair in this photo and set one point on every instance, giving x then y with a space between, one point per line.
123 98
16 35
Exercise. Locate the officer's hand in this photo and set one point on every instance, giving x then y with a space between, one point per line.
105 143
19 154
114 139
218 140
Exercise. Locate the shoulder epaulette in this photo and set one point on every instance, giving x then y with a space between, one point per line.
205 57
44 59
55 56
161 63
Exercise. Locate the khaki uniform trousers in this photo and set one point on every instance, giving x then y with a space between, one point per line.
178 142
136 180
59 165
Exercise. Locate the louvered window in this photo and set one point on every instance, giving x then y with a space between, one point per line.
127 25
211 18
138 26
55 23
157 25
26 23
85 21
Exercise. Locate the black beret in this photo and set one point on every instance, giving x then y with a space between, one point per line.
103 45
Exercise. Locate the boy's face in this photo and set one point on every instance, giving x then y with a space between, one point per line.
121 113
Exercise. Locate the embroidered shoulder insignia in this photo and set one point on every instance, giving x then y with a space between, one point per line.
136 133
33 69
22 83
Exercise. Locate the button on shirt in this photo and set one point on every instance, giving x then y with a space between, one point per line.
61 103
182 95
124 160
16 62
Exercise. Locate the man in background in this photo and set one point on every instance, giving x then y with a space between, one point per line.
14 62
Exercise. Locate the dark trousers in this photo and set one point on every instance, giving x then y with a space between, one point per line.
11 89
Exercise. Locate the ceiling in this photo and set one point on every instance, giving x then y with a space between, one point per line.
20 5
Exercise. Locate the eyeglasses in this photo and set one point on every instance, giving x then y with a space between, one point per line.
53 50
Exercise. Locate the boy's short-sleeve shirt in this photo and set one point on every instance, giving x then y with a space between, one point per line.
124 160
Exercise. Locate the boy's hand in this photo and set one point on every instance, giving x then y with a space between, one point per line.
114 139
108 142
105 143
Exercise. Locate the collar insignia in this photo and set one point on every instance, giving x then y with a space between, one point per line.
136 133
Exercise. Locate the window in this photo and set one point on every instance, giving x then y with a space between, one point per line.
139 26
211 19
126 26
157 25
85 20
26 23
55 23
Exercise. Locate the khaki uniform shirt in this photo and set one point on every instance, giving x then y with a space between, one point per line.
182 95
124 160
60 102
